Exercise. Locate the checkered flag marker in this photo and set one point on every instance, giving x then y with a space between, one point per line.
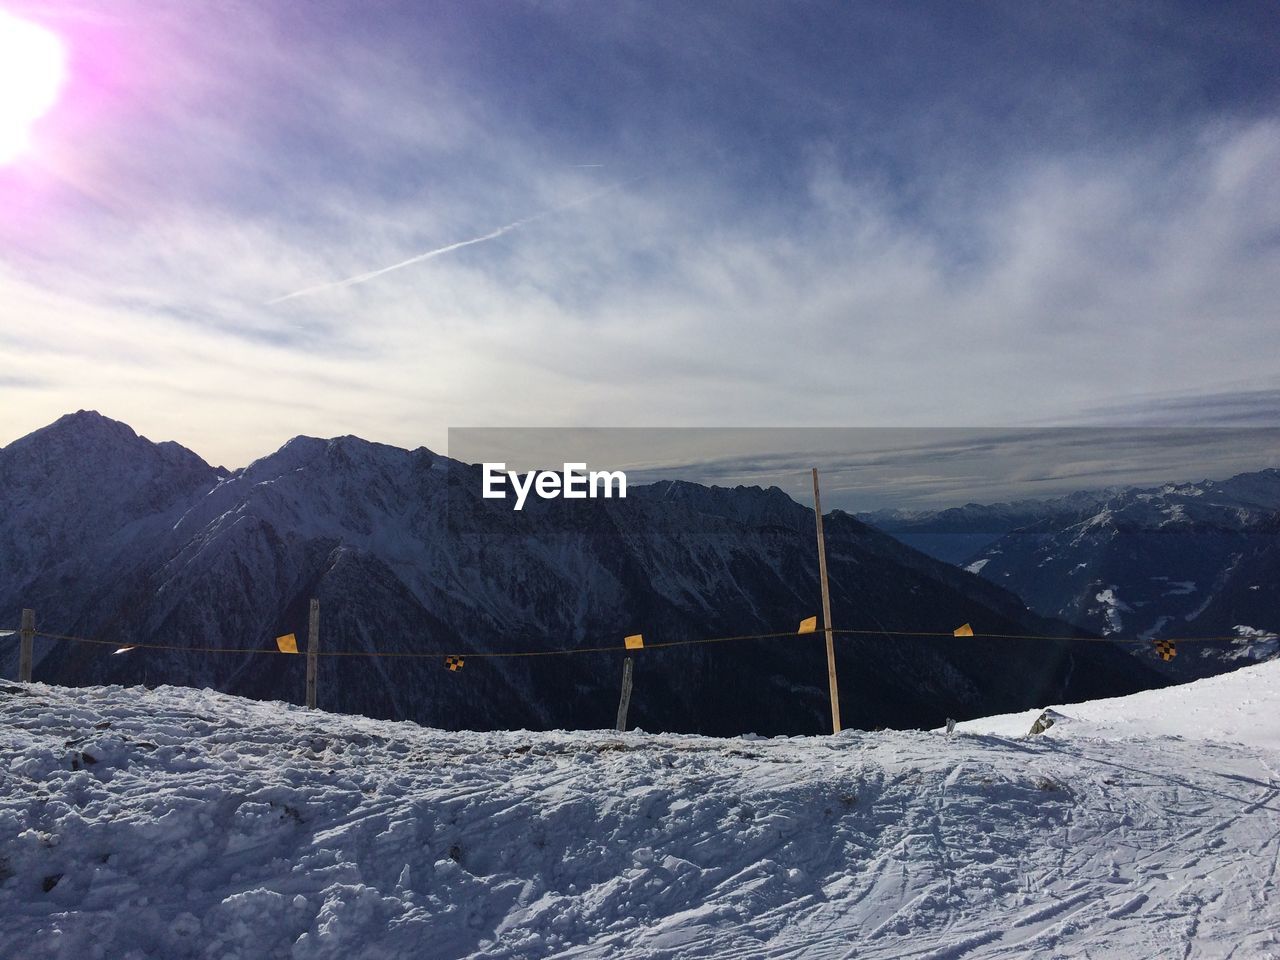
453 663
1165 650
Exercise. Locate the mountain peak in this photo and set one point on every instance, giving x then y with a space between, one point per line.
87 443
87 423
85 434
351 452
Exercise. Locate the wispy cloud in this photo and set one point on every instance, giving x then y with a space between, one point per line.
1015 233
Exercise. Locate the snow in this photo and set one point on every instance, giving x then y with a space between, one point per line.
977 565
1253 643
1154 630
181 823
1237 707
1113 606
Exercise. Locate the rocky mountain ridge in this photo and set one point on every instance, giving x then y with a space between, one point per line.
112 537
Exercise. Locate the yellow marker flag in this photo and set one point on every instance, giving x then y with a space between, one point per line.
288 643
964 630
808 625
634 642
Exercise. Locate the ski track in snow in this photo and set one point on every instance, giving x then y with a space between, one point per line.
182 823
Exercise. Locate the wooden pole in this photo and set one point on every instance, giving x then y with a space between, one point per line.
625 702
826 609
28 634
313 651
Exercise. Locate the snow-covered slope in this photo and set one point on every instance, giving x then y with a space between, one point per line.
177 823
1238 707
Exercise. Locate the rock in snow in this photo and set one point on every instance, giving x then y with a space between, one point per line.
212 826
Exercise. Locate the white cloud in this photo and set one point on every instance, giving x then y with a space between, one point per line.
675 299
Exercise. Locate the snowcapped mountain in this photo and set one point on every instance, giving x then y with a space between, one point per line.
84 492
1181 560
109 536
176 823
955 534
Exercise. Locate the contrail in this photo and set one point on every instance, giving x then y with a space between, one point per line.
448 248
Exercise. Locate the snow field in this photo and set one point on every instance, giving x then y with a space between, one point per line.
179 823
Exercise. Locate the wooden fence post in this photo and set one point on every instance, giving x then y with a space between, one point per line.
832 684
28 635
313 650
625 702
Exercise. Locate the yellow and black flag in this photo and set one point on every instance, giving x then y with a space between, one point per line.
808 625
633 642
964 630
1165 650
454 663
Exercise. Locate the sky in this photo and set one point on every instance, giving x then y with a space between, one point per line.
874 468
241 222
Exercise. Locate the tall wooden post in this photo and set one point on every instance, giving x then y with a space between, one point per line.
826 609
313 651
27 635
625 702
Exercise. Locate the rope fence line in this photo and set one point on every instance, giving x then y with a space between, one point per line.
287 645
610 648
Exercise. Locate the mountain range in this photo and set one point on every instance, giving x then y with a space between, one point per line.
112 537
1175 561
957 534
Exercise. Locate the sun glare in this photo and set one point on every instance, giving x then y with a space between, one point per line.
32 69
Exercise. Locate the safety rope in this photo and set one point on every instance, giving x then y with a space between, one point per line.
613 648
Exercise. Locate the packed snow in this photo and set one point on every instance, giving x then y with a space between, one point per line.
181 823
1231 708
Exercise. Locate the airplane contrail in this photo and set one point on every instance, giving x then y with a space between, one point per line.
447 248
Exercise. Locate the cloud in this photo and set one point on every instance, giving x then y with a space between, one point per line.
1241 407
819 239
871 468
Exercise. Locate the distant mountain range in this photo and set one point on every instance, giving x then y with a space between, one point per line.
956 534
110 536
1179 560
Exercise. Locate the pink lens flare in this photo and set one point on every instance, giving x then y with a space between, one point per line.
33 69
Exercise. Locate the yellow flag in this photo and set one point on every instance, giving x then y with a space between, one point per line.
288 643
634 642
964 630
808 625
